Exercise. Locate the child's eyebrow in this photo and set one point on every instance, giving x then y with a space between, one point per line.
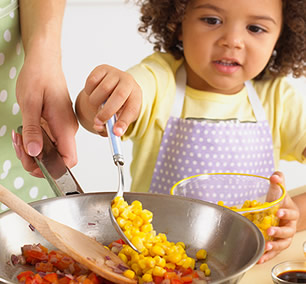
266 18
208 6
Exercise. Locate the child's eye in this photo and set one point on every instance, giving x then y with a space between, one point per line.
256 29
211 20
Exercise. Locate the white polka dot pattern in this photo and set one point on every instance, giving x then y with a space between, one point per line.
12 175
190 147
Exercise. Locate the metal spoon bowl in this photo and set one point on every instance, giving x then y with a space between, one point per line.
119 162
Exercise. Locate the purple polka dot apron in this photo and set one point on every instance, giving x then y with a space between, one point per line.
195 146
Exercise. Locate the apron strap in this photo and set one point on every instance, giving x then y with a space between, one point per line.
258 109
181 79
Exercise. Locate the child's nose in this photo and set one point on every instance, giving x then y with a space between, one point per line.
232 38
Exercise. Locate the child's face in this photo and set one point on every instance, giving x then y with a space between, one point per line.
227 42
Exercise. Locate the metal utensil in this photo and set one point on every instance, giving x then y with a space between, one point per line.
119 162
54 169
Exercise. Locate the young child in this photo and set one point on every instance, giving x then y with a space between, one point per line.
212 98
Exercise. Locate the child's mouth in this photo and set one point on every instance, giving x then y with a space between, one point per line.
227 66
227 63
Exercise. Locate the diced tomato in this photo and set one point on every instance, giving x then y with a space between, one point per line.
176 281
29 280
157 279
25 274
93 278
87 281
44 266
39 255
170 275
37 279
120 241
187 279
44 249
52 278
64 280
195 274
185 271
168 269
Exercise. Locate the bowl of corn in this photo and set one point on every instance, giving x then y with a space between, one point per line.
249 195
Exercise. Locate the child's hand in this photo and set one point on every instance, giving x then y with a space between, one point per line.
288 215
120 93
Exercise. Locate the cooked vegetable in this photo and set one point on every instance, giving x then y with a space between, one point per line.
262 219
160 261
158 257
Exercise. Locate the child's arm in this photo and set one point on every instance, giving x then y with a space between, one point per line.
283 234
120 93
300 201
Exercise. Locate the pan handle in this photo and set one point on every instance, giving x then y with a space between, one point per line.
54 169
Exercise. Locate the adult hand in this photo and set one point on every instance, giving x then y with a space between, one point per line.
288 215
42 95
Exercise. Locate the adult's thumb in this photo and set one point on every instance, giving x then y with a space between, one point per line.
32 139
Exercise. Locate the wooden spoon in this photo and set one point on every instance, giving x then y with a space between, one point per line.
80 247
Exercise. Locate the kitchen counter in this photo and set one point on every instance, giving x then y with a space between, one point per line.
261 273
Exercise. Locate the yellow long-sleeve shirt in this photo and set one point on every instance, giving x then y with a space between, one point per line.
285 110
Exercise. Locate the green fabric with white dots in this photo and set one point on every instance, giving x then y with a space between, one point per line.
12 174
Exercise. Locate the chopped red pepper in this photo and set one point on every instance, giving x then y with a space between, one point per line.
44 266
52 278
157 279
25 274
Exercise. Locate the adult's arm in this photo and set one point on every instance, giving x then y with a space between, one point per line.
41 89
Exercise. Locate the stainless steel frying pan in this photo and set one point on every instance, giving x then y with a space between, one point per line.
233 243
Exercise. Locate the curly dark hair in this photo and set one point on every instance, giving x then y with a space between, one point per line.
161 21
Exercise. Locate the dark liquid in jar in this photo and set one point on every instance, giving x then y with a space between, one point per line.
294 276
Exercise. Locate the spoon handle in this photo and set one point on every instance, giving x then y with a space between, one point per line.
115 142
23 209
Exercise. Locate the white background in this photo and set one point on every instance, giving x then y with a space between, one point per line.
105 32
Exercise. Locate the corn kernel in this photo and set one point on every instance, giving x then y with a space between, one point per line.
136 205
157 250
203 266
170 265
115 211
146 215
181 244
137 222
137 242
174 257
123 257
207 272
158 271
201 254
121 222
129 273
136 268
147 277
146 228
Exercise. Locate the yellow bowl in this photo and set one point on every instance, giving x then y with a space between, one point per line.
249 195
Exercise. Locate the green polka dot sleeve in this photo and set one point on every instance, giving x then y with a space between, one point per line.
12 174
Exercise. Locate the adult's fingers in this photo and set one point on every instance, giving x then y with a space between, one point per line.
28 162
31 132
